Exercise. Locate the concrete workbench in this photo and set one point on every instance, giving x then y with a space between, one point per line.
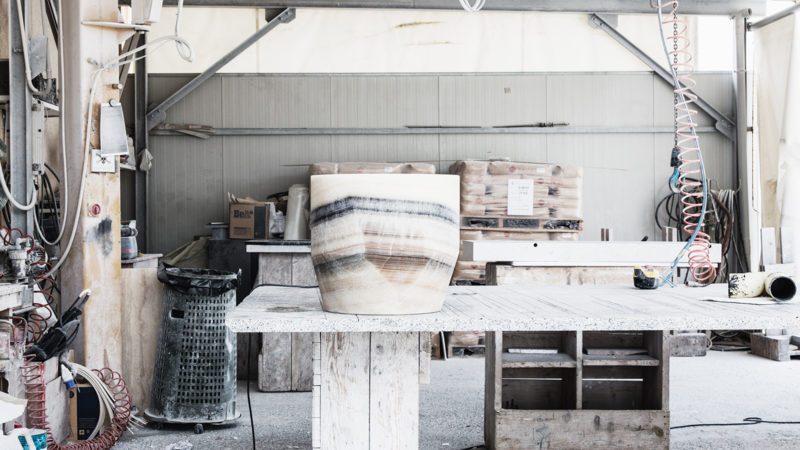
365 390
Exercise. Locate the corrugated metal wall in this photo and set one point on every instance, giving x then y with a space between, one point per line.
625 174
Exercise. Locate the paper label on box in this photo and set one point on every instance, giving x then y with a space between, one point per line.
520 197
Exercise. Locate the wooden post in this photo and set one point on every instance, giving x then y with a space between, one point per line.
94 260
366 391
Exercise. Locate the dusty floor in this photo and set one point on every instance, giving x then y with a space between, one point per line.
722 387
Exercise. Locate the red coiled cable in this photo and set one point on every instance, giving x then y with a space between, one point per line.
693 195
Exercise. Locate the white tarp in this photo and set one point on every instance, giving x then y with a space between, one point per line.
777 63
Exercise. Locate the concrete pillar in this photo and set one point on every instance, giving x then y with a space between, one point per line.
94 261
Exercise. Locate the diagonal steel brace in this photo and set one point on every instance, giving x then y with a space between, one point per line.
722 123
158 114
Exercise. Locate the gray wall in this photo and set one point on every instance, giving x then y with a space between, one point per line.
625 174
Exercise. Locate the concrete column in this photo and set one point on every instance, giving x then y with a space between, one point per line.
94 261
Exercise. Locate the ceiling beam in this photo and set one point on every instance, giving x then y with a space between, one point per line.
707 7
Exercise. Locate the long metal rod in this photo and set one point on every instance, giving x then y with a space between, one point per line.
723 124
159 113
140 144
21 132
710 7
773 18
748 183
419 131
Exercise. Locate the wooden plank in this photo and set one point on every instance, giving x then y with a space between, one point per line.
620 360
775 348
394 391
581 429
274 268
303 270
142 296
344 391
769 252
275 363
656 379
492 400
316 391
301 361
425 358
787 246
533 360
688 344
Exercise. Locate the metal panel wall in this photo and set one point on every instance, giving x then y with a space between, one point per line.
625 174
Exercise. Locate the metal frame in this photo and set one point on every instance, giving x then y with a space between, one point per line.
205 132
773 18
708 7
141 143
159 113
725 125
21 132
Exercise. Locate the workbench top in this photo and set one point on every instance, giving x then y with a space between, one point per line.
516 308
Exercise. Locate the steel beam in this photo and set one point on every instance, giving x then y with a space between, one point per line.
21 132
419 131
723 124
748 184
140 144
159 113
710 7
773 18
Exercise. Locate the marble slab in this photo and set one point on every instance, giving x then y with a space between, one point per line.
509 308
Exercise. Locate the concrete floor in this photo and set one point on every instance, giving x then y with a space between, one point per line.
722 387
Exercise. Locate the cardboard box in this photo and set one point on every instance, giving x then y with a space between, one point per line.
84 411
249 221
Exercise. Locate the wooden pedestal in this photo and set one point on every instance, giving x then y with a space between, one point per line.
366 391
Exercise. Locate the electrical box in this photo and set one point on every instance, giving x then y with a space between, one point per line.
37 128
146 11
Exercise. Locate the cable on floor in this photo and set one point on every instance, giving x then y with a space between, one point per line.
744 422
249 374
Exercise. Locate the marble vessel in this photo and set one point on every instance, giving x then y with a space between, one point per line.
384 244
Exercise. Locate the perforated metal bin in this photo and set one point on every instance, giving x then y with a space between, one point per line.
194 379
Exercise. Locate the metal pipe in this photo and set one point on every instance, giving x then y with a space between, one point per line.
159 113
779 286
725 125
710 7
773 18
416 131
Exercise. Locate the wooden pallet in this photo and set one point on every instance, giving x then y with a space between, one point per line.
520 223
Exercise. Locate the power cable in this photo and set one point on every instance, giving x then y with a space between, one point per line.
746 421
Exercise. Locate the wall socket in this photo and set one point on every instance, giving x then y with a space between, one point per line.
103 164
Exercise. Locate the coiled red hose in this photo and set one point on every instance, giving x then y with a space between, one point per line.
30 331
690 169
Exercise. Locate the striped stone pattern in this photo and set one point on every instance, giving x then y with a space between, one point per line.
384 244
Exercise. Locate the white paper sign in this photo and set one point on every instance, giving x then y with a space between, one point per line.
520 197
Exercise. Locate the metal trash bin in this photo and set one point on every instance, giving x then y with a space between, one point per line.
194 379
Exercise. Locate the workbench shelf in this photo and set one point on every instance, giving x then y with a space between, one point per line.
549 388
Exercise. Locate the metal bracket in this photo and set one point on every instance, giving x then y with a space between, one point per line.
723 124
158 114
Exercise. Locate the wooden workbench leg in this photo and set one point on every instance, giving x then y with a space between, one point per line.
275 363
367 388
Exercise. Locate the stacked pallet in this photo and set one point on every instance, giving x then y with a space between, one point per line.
329 168
520 201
